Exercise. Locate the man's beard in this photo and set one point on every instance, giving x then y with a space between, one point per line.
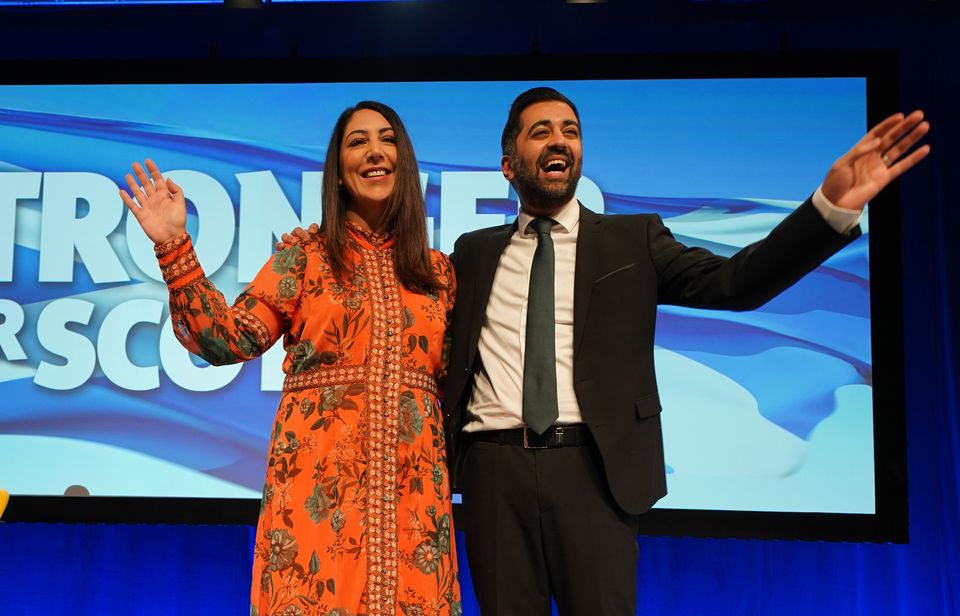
538 195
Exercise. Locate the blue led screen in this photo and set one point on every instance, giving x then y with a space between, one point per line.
769 410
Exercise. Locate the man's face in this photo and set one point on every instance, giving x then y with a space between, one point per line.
546 167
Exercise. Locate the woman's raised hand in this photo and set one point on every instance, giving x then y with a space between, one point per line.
157 203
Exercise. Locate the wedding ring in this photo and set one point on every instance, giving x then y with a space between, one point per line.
886 160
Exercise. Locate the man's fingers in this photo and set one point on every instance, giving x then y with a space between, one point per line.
881 129
873 138
904 127
864 147
891 139
298 236
906 142
904 164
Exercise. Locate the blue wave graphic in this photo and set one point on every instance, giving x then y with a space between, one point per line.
816 335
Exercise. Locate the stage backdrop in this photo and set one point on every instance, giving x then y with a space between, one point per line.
769 410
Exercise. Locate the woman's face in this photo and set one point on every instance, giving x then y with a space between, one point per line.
368 158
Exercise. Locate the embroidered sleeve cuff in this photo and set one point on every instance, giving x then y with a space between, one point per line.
178 262
171 245
841 220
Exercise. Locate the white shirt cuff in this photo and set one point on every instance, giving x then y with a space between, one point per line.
840 220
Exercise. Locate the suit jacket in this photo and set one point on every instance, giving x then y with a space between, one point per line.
625 266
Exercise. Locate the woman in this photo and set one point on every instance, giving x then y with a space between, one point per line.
356 515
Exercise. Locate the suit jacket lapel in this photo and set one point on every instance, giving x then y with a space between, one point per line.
489 259
588 256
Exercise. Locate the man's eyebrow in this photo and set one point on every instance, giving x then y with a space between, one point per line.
546 122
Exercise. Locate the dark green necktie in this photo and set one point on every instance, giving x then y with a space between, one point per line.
540 407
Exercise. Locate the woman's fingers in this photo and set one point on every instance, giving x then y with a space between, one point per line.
144 187
135 190
148 182
144 179
129 202
155 174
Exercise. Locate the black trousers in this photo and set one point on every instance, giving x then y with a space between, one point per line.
541 523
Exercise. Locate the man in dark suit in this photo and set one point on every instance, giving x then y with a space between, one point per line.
551 399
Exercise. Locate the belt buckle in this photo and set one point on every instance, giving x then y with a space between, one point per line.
528 445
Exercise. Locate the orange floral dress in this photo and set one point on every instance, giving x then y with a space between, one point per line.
356 513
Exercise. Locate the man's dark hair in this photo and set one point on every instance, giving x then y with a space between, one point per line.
508 142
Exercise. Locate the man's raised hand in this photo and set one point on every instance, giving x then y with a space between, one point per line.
883 155
298 236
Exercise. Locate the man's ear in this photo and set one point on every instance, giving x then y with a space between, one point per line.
506 165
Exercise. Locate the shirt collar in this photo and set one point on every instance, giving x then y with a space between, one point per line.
567 218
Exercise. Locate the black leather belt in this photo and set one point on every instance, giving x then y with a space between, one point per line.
555 436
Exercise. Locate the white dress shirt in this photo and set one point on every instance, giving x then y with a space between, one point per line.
497 397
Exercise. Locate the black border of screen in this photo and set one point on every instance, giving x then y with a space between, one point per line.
888 524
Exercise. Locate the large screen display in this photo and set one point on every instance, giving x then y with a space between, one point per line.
769 410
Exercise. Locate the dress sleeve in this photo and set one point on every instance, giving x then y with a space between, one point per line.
203 321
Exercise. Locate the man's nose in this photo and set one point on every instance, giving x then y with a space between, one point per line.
556 145
556 141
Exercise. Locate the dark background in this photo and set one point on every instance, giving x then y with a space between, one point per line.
154 569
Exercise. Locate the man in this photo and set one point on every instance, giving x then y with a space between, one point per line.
557 447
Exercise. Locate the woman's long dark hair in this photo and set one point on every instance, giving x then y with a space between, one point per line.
405 214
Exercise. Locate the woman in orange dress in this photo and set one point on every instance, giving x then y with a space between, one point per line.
356 512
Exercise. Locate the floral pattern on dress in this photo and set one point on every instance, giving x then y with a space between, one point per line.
356 514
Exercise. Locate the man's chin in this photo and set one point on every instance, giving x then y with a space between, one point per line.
558 195
543 197
545 205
